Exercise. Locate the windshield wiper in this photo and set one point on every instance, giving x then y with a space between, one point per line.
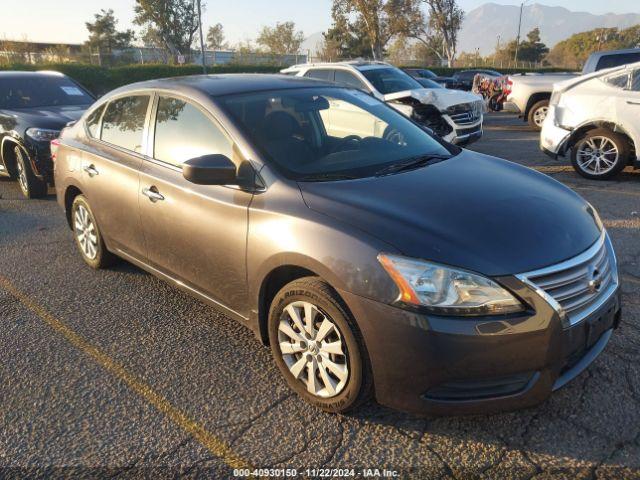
412 163
326 177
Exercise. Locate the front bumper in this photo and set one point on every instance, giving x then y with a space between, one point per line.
443 365
41 161
511 107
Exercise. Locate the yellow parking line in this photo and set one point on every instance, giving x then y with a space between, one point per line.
216 446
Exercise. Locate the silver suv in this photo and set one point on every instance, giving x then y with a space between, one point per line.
454 115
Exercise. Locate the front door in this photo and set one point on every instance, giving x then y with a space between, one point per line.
194 233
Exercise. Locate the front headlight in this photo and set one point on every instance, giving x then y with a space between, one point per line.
447 291
42 134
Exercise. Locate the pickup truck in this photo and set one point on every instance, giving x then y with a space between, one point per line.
528 95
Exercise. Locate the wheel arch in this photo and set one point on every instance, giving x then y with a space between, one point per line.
6 153
579 132
70 193
279 276
535 98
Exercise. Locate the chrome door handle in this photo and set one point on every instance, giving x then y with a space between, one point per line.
91 170
633 103
153 194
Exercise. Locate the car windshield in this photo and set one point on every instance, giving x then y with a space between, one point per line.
319 134
390 80
25 91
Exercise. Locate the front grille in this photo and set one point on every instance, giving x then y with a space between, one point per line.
465 113
581 283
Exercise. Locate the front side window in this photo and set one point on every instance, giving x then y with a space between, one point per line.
390 80
123 122
311 134
93 122
183 132
635 80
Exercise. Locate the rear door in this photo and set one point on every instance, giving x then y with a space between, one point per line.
630 108
111 168
194 233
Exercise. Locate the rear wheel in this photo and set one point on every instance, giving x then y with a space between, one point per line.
537 114
317 346
87 235
600 154
31 186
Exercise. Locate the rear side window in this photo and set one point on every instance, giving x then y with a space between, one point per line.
347 78
320 74
93 122
618 81
183 132
609 61
123 122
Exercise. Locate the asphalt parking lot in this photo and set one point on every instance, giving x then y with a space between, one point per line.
117 373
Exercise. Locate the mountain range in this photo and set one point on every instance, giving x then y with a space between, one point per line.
482 25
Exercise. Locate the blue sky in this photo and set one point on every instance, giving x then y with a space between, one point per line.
63 20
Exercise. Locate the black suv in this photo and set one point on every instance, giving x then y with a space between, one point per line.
34 107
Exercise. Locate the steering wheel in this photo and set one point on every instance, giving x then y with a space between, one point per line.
343 142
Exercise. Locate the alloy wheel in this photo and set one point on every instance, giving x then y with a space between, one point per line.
539 115
313 349
86 232
597 155
22 174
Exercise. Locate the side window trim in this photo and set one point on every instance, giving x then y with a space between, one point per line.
150 148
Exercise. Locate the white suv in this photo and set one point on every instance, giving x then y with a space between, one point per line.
595 117
454 115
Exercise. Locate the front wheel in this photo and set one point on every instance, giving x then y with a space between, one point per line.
317 346
600 154
30 185
537 114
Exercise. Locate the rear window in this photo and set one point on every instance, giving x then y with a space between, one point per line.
609 61
41 91
123 122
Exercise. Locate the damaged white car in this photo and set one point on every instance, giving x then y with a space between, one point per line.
454 115
594 119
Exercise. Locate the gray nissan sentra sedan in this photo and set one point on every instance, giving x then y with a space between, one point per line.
373 258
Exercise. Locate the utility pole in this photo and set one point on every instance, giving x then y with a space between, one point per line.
204 62
518 37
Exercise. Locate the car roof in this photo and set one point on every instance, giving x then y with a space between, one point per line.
614 52
226 84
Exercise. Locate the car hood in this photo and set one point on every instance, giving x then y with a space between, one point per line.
471 211
441 98
48 117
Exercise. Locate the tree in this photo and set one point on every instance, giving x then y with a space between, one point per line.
103 35
347 39
445 20
215 37
172 22
282 39
379 20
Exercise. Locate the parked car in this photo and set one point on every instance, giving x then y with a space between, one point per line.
528 95
34 107
594 118
613 58
455 116
421 74
463 80
386 263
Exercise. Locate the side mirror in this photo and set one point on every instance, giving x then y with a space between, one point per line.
210 170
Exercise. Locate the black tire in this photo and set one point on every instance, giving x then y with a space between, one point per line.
358 386
621 161
536 114
102 258
30 185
